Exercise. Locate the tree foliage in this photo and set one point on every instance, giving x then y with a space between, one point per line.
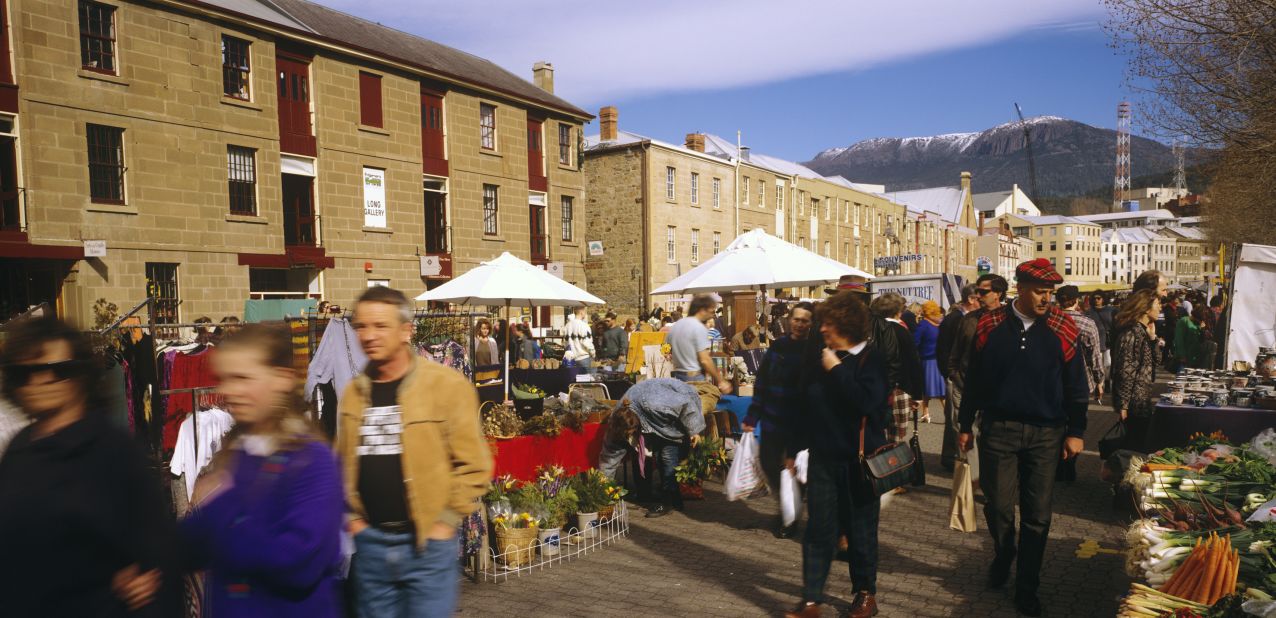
1206 70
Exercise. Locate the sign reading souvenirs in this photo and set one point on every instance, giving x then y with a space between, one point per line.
896 260
373 197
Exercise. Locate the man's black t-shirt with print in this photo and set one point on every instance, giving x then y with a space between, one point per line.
381 457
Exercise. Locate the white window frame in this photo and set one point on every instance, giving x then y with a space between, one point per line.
671 245
671 183
745 195
695 188
717 193
695 246
717 242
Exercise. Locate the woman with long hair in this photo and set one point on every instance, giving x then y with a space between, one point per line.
266 516
926 337
486 351
1134 360
843 393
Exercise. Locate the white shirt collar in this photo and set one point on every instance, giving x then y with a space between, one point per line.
1027 320
897 321
858 348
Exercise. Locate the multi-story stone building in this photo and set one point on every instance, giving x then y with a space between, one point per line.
658 209
1074 246
1003 249
1197 261
940 226
231 149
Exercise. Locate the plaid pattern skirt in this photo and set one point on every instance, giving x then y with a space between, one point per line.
900 401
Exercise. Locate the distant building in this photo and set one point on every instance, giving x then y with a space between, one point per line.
1072 244
1012 202
1153 198
943 226
1112 220
1003 248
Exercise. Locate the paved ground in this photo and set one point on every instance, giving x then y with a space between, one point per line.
719 558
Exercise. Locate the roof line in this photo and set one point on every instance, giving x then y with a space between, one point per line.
281 9
347 48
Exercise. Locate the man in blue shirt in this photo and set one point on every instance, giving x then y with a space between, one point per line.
1027 381
688 342
774 395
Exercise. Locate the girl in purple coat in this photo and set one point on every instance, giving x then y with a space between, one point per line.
266 516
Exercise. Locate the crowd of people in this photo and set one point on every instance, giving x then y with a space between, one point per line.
273 516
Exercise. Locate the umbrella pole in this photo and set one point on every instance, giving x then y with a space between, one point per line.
507 349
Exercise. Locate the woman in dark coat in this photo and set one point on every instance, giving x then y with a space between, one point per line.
1134 360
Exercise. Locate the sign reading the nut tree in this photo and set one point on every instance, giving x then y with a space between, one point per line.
373 197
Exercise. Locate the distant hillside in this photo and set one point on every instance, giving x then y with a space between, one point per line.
1073 159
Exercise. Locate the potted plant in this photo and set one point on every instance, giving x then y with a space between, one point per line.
591 491
704 460
498 494
516 534
615 493
560 501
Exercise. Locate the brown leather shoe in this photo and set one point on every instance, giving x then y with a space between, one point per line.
805 609
865 605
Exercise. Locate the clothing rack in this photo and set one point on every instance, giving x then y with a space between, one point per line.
195 393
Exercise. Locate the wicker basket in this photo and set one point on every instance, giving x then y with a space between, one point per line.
516 546
605 513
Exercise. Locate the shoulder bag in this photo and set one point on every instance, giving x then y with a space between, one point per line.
888 467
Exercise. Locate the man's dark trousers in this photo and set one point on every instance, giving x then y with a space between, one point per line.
667 455
837 501
1014 455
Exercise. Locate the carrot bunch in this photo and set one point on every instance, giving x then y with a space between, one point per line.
1209 572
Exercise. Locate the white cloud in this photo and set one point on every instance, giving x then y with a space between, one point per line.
605 51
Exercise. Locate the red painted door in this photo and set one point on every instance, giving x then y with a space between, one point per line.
536 180
293 84
433 150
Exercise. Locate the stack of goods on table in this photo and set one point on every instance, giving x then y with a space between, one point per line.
1241 388
1204 544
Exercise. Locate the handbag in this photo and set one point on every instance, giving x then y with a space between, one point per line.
1113 440
919 467
888 467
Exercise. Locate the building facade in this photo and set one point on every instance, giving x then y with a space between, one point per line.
226 150
1073 245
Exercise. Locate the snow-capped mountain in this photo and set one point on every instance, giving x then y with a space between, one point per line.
1072 158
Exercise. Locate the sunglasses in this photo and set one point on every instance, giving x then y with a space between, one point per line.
981 291
20 375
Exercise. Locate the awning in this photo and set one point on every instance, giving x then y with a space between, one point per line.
20 247
1103 287
293 257
301 166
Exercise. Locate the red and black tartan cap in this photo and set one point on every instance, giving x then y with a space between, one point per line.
1039 270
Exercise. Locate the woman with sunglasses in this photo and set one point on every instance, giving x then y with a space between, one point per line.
83 526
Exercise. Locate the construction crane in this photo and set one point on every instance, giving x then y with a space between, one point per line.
1032 162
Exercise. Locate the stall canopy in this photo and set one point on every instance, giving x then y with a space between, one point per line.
757 260
510 281
1253 303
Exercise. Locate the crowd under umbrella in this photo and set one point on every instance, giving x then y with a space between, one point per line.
509 281
756 260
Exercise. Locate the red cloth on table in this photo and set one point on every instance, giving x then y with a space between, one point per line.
188 371
519 457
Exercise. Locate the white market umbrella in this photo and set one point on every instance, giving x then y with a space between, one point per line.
757 260
510 281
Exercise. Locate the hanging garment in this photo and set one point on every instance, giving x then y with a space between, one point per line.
187 371
189 455
338 359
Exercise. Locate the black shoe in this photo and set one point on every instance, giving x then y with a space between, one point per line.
999 573
1027 603
659 511
786 532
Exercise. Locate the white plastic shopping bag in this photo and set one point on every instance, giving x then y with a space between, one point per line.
745 479
790 497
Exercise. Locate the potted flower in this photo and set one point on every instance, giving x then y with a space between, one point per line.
704 460
615 493
516 534
560 501
498 494
591 491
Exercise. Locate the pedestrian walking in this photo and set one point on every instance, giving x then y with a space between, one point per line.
907 388
844 412
688 341
1134 360
943 353
414 462
775 400
83 527
926 339
266 517
1027 381
1069 299
1102 313
580 340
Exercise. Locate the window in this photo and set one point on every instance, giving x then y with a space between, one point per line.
1054 231
717 193
568 208
717 242
745 194
1067 245
491 210
801 202
671 249
487 126
779 196
826 249
161 283
1053 246
564 144
106 164
695 188
97 37
1067 266
761 193
1067 230
369 100
828 208
695 246
236 67
671 177
241 174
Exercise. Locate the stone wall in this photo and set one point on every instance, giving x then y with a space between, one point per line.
614 217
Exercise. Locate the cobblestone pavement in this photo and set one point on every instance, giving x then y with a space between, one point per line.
719 558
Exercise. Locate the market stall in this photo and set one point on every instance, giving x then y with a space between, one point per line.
573 451
1240 403
1173 425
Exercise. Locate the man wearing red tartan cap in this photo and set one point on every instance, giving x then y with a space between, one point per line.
1027 384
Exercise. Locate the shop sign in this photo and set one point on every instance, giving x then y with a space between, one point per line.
94 248
895 260
373 197
430 266
595 248
555 268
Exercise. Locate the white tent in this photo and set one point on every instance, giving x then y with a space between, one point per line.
1253 303
757 260
510 281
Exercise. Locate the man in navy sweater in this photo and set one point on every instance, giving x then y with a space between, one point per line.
1027 381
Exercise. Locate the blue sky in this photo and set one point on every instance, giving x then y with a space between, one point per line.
798 76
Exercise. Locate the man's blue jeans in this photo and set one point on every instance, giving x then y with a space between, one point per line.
667 454
393 579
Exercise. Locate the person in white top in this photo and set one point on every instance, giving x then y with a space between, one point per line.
580 339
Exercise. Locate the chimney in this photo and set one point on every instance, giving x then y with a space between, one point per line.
981 223
744 154
608 123
543 76
965 181
695 141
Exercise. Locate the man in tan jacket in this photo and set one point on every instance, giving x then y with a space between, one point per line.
414 464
